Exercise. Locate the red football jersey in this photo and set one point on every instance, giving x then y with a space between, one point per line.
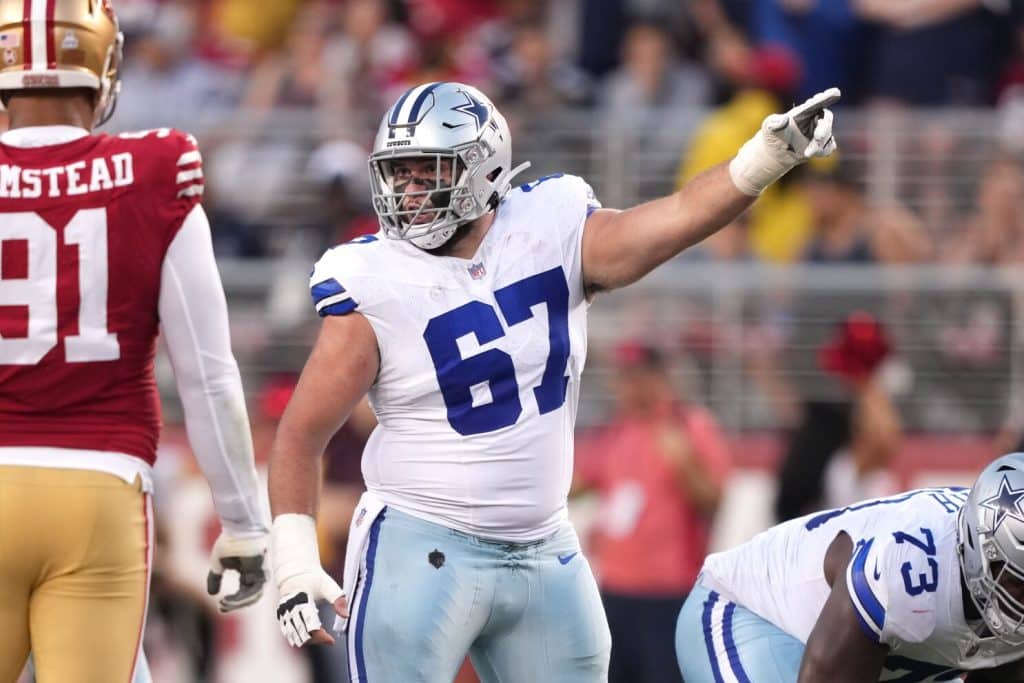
84 228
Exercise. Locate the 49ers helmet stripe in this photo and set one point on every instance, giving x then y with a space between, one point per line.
26 27
61 44
39 17
48 33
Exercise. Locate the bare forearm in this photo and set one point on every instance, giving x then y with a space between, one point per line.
699 209
665 227
296 464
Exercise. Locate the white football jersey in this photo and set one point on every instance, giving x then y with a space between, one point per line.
904 581
480 363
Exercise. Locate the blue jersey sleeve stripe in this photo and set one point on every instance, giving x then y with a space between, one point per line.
868 628
869 609
331 300
326 288
341 308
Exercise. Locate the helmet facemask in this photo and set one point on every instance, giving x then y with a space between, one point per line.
424 197
449 124
991 548
998 592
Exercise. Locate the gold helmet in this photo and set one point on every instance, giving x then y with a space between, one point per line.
61 44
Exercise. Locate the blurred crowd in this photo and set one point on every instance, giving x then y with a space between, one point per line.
285 97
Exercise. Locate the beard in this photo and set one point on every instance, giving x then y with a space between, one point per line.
453 241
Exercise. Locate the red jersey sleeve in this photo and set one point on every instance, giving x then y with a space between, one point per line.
177 177
169 169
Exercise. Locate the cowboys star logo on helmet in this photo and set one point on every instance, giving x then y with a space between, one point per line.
431 123
991 547
1005 502
62 44
473 107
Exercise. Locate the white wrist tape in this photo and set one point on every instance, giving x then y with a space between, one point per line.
294 551
758 164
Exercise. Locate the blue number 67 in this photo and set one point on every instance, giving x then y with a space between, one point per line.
457 375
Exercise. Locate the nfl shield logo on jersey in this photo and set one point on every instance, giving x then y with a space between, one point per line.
477 271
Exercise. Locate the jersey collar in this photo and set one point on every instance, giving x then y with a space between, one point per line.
42 136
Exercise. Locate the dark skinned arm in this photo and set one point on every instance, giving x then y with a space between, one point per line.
838 650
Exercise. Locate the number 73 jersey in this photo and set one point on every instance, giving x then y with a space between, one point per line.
84 227
480 363
903 580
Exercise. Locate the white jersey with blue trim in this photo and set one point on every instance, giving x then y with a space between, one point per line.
904 581
480 363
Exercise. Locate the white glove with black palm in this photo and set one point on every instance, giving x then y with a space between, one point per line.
245 555
301 581
784 141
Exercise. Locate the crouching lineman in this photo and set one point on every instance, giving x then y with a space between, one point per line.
921 586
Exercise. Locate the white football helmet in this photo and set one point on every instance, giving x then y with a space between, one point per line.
991 546
458 130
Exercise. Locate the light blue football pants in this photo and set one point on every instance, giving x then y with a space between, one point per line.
427 595
718 641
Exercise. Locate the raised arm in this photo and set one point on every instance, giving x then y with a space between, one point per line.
620 247
838 650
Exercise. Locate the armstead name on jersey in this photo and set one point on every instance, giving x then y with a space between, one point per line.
77 178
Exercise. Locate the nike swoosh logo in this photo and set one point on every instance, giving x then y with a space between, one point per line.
567 558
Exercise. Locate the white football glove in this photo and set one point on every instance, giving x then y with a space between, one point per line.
244 555
784 141
301 581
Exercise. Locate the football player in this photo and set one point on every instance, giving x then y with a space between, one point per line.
102 242
464 319
921 586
